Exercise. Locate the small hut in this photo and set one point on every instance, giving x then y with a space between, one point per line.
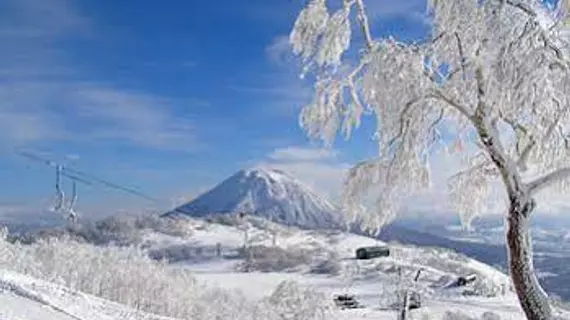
372 252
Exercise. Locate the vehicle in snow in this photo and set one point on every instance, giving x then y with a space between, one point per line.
415 300
463 281
372 252
345 301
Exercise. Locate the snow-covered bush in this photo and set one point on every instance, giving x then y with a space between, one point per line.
290 301
330 265
117 230
458 315
483 287
128 276
274 259
490 316
181 252
172 226
121 274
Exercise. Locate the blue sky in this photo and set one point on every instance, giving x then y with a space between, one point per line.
167 97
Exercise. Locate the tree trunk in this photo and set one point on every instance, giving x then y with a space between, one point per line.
405 307
532 298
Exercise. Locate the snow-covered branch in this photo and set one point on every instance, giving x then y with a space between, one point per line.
365 25
439 95
522 6
548 180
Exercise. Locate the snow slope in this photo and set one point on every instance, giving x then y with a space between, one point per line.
371 281
23 297
265 192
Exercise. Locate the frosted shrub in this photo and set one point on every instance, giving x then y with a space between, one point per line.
458 315
389 296
490 316
3 234
331 265
179 252
128 276
484 287
117 230
172 226
122 274
274 259
292 302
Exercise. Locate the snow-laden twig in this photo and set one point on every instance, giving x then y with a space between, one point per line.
548 180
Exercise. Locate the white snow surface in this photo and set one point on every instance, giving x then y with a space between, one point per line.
269 193
23 297
362 278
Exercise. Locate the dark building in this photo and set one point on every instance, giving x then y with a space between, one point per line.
372 252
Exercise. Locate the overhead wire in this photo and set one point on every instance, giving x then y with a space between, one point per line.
89 179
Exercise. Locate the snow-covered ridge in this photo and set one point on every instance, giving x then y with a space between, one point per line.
268 193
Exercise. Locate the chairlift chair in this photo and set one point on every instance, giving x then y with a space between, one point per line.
59 194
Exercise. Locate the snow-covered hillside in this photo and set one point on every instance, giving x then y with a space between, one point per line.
23 297
373 282
285 264
264 192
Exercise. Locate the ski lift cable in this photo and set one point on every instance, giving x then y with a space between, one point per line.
112 185
77 179
88 179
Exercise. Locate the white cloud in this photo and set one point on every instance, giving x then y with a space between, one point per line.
43 113
279 51
42 102
136 118
278 94
301 154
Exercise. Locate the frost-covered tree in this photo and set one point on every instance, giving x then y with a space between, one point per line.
490 84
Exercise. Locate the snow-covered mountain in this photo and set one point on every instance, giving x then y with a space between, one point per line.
269 193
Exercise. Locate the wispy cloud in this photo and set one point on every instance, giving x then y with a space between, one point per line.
136 118
42 100
278 93
296 153
279 51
